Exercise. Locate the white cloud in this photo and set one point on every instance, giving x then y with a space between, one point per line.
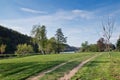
82 13
73 14
32 10
56 19
53 21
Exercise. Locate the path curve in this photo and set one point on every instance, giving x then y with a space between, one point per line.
74 70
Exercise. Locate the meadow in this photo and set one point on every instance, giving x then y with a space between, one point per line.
24 67
101 68
59 72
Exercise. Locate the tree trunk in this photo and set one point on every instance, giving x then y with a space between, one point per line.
43 52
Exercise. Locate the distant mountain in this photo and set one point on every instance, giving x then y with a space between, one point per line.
69 48
12 38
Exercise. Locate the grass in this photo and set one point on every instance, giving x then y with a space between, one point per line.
24 67
115 66
59 72
101 68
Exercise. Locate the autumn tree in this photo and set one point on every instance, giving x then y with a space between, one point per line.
101 44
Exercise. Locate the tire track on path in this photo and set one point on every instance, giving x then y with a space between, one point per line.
74 70
41 74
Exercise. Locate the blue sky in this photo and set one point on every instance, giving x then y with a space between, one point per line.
80 20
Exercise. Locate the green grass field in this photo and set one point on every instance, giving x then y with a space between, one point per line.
101 68
66 68
24 67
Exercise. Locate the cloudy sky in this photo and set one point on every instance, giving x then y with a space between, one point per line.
80 20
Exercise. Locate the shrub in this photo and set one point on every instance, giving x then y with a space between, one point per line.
23 49
2 48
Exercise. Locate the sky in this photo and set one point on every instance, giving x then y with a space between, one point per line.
80 20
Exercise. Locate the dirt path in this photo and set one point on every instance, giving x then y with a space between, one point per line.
74 70
41 74
66 76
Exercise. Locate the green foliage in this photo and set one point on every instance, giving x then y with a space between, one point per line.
59 36
99 47
39 34
118 44
60 39
89 48
23 49
84 46
51 45
2 48
93 48
12 38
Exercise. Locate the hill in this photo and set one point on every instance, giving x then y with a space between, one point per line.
12 38
69 48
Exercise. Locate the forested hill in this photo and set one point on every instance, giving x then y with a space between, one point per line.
69 48
12 38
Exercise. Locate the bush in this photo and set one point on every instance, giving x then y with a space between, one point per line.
2 48
24 49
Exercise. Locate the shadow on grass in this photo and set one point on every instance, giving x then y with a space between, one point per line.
95 63
59 72
24 70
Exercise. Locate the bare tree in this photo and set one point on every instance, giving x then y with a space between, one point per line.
108 28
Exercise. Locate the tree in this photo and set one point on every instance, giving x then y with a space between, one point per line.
23 49
93 48
101 44
60 40
51 45
112 46
39 34
108 27
2 48
84 46
118 44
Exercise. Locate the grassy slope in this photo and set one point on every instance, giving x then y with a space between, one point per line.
21 68
101 68
65 68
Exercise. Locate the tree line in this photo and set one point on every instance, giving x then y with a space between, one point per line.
100 46
9 39
53 45
103 44
14 42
